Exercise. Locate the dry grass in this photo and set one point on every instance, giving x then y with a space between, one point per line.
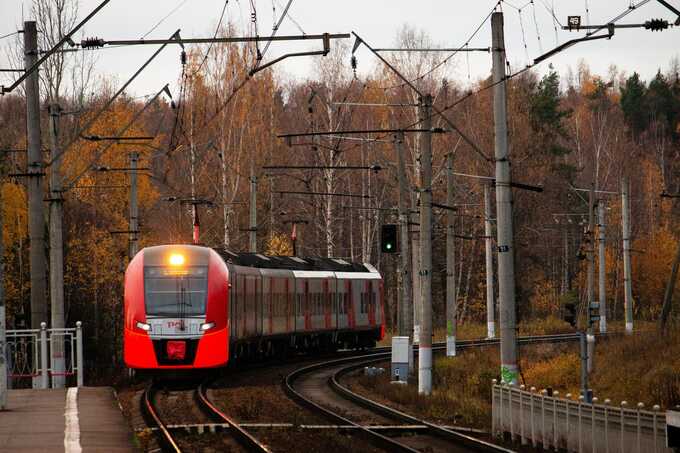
462 386
643 367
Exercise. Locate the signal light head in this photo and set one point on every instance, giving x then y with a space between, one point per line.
176 259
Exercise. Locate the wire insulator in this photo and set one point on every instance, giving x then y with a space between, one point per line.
91 43
656 25
183 58
353 62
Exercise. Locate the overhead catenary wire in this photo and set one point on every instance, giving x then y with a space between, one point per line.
449 57
210 46
181 3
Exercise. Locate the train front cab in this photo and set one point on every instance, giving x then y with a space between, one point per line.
175 305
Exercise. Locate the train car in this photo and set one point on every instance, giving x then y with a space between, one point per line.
193 307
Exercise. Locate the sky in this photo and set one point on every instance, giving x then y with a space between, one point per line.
448 23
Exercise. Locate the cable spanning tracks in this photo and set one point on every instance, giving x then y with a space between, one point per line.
166 433
318 388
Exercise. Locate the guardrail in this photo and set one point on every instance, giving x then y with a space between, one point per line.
40 354
574 425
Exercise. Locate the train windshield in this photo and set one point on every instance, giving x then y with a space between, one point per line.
175 292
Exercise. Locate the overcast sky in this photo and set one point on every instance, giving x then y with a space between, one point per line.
448 23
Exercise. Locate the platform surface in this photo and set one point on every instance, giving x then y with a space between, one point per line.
36 421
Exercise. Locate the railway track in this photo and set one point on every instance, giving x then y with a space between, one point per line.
167 434
318 387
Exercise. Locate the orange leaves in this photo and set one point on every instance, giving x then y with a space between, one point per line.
14 213
279 245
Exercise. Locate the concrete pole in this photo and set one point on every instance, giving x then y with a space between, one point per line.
627 273
134 209
56 251
451 302
415 268
506 251
405 310
565 264
36 214
591 273
425 345
601 211
488 243
252 229
3 333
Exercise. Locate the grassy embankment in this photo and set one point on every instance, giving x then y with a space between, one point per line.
644 367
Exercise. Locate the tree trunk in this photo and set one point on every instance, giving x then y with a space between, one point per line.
670 288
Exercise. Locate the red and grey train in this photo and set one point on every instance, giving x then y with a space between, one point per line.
192 307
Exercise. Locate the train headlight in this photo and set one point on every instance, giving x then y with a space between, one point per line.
207 326
141 325
176 259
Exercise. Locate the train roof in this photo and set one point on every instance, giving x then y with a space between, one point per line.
293 263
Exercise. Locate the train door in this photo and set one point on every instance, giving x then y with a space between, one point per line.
242 302
300 304
289 298
341 302
327 303
370 300
350 303
267 298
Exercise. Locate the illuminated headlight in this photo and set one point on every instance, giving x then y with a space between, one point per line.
143 326
207 326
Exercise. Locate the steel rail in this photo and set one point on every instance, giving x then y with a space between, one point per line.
371 436
148 408
242 436
381 354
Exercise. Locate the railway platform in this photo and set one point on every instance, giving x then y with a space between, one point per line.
85 419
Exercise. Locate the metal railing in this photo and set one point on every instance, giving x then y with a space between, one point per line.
36 355
535 417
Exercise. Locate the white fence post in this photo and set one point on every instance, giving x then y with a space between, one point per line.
79 353
43 356
522 434
592 423
556 429
640 406
512 418
656 409
543 393
623 425
568 403
494 425
580 423
606 424
533 426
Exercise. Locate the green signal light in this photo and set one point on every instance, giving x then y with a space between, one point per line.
388 246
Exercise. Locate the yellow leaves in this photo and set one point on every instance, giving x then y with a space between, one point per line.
651 267
279 245
14 213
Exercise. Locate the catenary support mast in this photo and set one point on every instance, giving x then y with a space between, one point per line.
506 251
425 345
451 304
488 244
56 203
